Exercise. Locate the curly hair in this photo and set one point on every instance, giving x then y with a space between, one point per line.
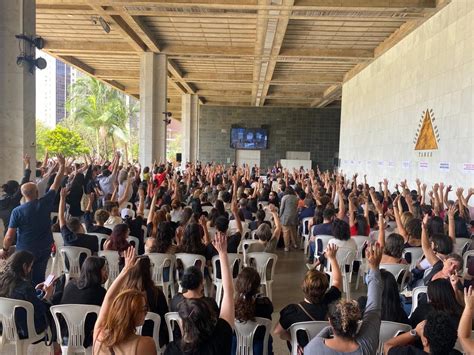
315 285
246 286
341 230
440 332
344 317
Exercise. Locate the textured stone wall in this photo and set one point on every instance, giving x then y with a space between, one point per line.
290 129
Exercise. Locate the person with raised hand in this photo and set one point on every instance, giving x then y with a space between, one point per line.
122 311
465 325
30 224
344 318
205 332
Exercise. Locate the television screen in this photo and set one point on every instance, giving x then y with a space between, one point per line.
249 138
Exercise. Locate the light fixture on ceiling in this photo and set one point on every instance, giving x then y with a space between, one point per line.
100 20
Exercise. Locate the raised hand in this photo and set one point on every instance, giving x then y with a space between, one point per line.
61 160
220 243
452 211
469 297
331 251
385 182
130 258
64 192
374 255
459 192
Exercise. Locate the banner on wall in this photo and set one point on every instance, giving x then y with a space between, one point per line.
423 165
468 168
380 163
391 164
444 167
406 164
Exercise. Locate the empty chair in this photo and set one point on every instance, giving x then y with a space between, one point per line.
265 264
389 330
156 319
344 256
188 260
246 248
171 319
159 262
245 332
10 337
310 328
400 271
73 255
235 262
101 238
305 233
462 245
415 295
413 255
113 260
75 316
134 241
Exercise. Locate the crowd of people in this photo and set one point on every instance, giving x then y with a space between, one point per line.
210 210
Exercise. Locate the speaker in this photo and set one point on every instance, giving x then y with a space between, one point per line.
179 157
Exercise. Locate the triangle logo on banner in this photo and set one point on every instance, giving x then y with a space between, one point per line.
426 137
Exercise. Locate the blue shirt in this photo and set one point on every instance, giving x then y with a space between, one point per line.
32 221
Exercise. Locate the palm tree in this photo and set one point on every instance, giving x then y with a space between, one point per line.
101 109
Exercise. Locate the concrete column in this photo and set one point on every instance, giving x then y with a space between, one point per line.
189 127
17 90
153 102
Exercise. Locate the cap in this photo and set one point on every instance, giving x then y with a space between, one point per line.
126 212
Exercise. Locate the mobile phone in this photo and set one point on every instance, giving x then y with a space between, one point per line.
49 280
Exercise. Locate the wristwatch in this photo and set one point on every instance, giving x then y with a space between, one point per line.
413 333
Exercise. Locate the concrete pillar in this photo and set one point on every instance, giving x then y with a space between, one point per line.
17 90
189 127
153 102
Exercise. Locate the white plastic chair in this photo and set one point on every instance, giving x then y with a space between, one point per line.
389 330
129 205
175 318
110 225
113 260
245 332
360 241
145 232
344 256
323 240
188 260
73 255
246 249
396 270
415 254
233 260
57 263
311 328
53 215
101 238
160 261
417 291
261 261
75 317
462 245
467 254
10 336
207 209
156 329
305 233
134 241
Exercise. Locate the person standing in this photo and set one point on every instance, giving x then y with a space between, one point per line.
30 224
289 217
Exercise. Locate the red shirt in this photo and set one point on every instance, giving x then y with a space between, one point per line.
354 231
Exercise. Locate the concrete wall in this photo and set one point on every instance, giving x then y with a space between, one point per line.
290 129
432 68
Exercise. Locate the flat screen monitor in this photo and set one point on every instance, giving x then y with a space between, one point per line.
249 138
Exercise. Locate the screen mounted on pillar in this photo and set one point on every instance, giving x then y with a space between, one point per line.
248 138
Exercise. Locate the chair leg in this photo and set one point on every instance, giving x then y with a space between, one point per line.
268 289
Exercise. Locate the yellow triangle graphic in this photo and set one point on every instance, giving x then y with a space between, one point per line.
426 137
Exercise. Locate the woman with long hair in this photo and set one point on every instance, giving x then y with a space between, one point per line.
195 238
250 304
204 332
118 239
139 278
122 311
15 283
163 242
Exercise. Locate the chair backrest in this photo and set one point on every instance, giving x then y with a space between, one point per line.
397 270
7 318
110 225
145 232
73 255
415 295
175 318
305 226
53 215
233 260
321 242
113 260
156 327
188 260
264 263
246 243
468 254
158 262
101 238
360 241
462 245
344 256
389 330
129 205
134 241
415 254
245 332
75 317
310 328
58 240
207 209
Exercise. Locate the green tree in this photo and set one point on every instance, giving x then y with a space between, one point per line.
62 140
41 131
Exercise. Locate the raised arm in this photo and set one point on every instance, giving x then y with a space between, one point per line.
400 227
331 251
351 209
235 212
404 339
124 198
227 308
381 221
203 223
451 223
341 214
59 174
276 220
141 202
62 207
465 324
151 213
425 243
